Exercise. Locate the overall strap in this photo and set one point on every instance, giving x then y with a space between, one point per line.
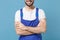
37 13
21 13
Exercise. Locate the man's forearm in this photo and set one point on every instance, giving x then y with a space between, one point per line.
19 31
22 32
36 29
41 27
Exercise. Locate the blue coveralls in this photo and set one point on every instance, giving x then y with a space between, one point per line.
32 23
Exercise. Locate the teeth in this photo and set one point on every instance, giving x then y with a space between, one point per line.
28 2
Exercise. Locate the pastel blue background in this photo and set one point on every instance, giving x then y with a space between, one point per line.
7 13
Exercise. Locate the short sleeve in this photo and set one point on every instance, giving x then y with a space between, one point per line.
41 14
17 16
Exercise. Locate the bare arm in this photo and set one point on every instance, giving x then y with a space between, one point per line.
39 29
19 31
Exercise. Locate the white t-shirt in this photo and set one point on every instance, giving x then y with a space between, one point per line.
29 15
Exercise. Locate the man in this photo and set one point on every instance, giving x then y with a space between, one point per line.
30 22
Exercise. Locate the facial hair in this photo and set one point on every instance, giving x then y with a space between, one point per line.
29 5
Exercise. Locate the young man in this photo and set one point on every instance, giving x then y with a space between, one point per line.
30 22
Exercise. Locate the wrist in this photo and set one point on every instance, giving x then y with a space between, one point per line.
27 28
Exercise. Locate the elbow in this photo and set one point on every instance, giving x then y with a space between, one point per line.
44 30
19 33
41 31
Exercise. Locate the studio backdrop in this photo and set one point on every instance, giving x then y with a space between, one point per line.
7 14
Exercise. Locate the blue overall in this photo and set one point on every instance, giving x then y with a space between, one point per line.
32 23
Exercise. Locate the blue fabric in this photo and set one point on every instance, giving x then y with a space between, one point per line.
32 23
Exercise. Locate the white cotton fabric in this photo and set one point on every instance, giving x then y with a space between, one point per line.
29 15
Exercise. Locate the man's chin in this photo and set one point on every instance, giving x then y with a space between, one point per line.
29 5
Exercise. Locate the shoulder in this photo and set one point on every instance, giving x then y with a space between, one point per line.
17 12
41 11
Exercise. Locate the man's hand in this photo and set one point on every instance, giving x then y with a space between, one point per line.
21 29
21 26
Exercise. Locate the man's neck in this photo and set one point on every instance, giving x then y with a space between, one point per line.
29 8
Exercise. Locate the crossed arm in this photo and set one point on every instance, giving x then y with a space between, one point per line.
24 30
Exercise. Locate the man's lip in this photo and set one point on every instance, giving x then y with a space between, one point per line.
28 1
